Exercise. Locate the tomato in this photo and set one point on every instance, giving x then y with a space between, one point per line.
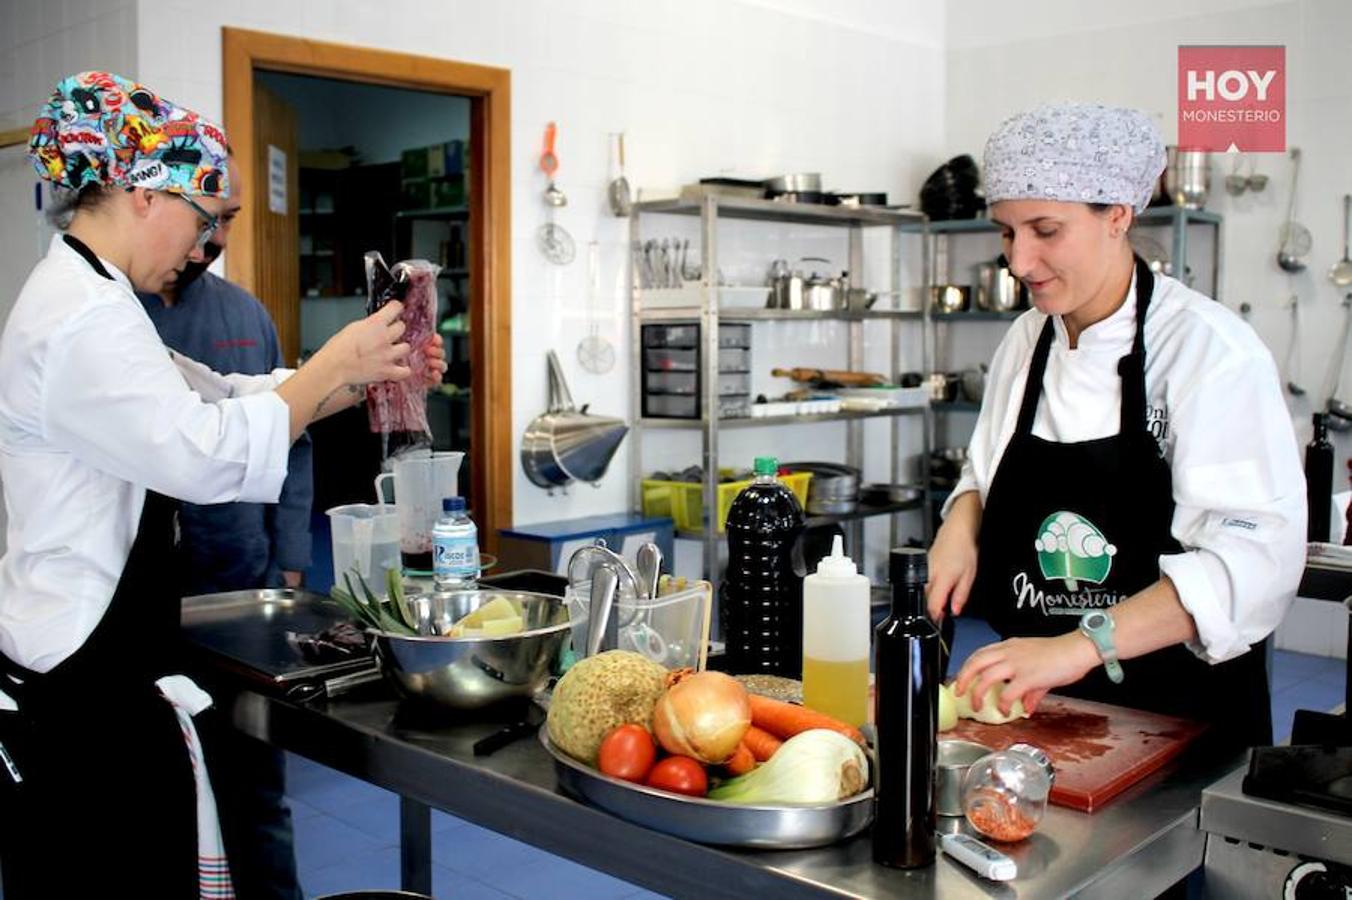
680 775
628 752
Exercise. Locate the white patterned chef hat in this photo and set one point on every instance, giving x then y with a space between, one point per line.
1075 152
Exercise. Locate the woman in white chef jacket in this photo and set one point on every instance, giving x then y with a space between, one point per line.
1132 516
102 783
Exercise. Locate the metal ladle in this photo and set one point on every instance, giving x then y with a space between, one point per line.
1295 238
1293 354
1341 273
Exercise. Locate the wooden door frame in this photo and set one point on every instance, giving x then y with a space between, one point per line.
489 90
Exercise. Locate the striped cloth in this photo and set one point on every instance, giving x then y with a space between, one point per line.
213 870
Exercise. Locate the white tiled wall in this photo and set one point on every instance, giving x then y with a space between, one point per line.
43 40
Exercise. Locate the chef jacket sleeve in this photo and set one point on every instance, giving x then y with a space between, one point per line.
1240 510
214 386
112 396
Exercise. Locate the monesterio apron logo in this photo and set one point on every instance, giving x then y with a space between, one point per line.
1232 98
1069 547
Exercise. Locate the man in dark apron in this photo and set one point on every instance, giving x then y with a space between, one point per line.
98 793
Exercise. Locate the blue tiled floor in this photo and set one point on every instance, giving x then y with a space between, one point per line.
347 831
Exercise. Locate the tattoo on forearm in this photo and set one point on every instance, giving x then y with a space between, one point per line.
354 392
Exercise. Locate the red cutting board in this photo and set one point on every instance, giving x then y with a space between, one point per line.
1098 750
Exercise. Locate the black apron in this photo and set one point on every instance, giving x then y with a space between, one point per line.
1070 527
107 800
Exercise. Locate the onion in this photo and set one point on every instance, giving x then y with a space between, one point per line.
703 715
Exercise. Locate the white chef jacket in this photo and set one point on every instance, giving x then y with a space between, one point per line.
95 410
1214 404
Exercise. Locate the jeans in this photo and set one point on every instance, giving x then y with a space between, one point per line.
249 780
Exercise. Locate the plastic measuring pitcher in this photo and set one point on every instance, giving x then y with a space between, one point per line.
365 542
421 480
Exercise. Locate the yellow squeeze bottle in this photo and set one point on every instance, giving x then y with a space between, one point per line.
836 630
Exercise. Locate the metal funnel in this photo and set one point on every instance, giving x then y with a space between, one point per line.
565 444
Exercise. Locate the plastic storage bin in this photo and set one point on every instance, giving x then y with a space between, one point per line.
671 360
684 501
686 406
685 335
729 385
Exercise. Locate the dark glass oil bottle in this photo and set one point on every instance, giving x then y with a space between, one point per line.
906 666
761 598
1319 479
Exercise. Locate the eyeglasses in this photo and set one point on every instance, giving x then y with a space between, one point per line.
209 222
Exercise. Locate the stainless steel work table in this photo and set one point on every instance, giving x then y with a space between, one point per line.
1137 846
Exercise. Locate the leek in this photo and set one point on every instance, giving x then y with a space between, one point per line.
814 767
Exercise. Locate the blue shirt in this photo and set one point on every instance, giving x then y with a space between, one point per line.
237 546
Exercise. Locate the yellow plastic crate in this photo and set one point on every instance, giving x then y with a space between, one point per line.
683 502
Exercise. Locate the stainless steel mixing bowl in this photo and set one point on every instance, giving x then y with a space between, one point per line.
474 672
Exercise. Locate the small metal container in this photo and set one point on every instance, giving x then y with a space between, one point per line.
1188 177
949 298
474 672
797 183
954 759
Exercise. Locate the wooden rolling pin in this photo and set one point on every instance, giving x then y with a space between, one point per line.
832 376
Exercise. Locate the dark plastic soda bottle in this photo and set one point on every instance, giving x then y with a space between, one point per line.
906 716
761 599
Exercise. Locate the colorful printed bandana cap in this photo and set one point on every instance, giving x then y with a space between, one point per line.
1075 153
100 128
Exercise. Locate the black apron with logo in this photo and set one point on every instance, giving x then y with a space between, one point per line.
1070 527
106 801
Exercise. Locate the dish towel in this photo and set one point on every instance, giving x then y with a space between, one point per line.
213 870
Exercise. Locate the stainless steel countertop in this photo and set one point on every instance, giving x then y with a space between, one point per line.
1229 812
1137 846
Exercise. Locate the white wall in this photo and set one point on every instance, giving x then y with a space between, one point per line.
1007 57
854 89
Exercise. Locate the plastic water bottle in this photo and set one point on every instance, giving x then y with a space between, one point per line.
761 599
455 547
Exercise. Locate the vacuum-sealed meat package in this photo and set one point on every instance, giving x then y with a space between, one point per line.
401 406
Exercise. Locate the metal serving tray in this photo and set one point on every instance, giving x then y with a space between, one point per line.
711 822
246 632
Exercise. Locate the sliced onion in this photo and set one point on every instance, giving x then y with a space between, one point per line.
703 715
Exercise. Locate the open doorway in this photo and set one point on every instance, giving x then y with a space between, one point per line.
345 150
378 169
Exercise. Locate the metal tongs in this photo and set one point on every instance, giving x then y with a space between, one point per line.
607 578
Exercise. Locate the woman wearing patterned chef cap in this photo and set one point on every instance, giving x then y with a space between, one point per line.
1131 519
102 431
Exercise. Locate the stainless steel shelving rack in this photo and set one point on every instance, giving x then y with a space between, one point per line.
708 313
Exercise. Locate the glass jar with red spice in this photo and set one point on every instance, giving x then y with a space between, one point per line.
1004 793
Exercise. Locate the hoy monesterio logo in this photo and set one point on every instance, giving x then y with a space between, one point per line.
1232 98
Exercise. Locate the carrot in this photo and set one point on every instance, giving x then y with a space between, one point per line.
761 743
784 720
742 761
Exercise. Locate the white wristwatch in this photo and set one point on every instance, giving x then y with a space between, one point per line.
1098 627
